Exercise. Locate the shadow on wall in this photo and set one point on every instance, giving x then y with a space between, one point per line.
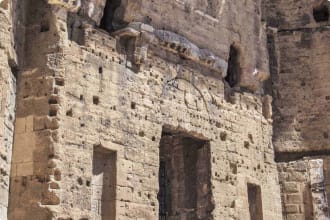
108 22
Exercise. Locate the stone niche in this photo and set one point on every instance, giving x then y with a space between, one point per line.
255 202
104 184
184 177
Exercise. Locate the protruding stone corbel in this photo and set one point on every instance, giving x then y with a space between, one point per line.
144 35
181 45
141 35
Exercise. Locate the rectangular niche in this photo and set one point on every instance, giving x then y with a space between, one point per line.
255 202
104 183
184 177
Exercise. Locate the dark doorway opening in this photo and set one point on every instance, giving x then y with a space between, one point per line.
107 21
234 69
104 183
184 178
321 13
255 202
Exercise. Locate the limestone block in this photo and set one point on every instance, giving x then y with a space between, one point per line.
72 5
20 125
24 145
24 169
293 199
93 9
3 197
292 209
3 212
290 187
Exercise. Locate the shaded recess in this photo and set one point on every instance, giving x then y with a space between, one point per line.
184 177
255 202
234 69
107 21
75 28
104 183
321 13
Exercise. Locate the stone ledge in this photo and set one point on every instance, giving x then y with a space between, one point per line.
174 43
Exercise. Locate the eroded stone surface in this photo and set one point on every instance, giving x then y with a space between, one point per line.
109 101
299 54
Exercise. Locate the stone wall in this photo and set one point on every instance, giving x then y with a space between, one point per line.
7 102
299 58
107 100
93 108
301 99
34 174
300 81
303 189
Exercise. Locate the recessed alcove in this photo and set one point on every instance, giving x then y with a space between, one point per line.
184 177
104 183
109 14
321 13
234 69
255 202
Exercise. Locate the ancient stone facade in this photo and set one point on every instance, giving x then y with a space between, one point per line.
139 109
299 56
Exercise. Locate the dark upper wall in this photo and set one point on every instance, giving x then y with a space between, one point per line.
290 14
300 74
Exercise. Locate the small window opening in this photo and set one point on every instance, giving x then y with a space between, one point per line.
133 105
104 183
44 27
255 202
59 81
109 14
69 113
321 13
96 100
52 113
53 101
233 72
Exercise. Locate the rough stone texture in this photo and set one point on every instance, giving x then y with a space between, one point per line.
34 173
291 15
300 67
104 100
226 25
7 102
298 37
139 104
303 189
301 99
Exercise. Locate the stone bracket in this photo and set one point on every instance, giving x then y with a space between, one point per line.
145 35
